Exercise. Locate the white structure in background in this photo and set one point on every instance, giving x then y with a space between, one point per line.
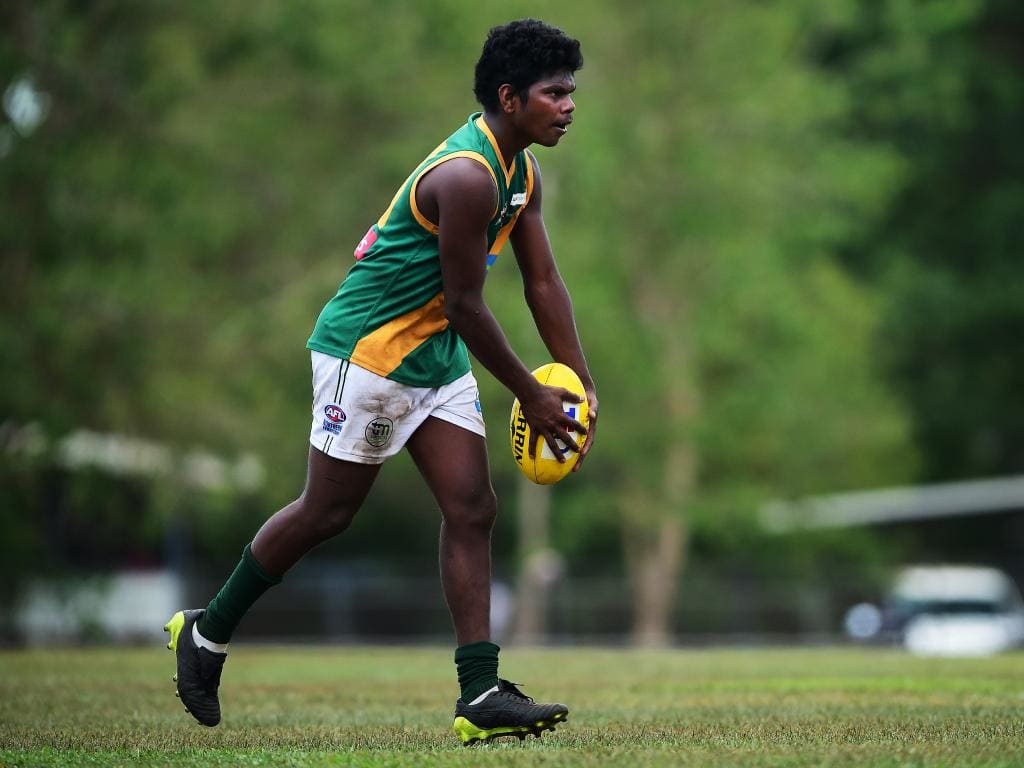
935 610
959 610
125 605
896 505
131 606
127 456
945 610
26 108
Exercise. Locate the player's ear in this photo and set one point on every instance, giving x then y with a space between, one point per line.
508 98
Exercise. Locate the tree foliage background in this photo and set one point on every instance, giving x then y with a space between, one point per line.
792 233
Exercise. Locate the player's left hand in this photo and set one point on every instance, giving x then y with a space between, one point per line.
591 428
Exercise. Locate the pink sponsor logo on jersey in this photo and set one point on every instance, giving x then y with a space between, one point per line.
366 243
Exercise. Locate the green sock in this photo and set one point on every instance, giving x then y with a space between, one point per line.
478 668
243 588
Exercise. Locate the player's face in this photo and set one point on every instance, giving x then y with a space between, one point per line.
546 115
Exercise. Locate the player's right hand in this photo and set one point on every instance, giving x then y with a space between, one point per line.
542 409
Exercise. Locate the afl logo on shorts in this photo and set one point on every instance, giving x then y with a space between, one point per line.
378 431
334 417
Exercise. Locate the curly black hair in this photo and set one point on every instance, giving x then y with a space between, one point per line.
520 53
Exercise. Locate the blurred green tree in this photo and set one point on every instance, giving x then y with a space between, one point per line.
941 83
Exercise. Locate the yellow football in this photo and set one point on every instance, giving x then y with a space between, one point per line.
545 469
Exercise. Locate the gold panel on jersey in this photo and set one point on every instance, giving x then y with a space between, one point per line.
383 350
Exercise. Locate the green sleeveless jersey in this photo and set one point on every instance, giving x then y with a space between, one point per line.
388 314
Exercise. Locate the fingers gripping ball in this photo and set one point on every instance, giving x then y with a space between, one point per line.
544 468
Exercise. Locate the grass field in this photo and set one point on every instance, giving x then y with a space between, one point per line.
392 707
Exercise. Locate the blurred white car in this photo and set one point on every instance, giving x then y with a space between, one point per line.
950 610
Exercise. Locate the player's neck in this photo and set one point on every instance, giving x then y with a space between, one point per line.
510 141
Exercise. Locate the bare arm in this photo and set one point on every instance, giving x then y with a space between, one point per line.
461 195
548 298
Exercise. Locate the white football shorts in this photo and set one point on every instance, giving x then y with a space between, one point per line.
362 417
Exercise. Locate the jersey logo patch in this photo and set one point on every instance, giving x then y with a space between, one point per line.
366 243
518 198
